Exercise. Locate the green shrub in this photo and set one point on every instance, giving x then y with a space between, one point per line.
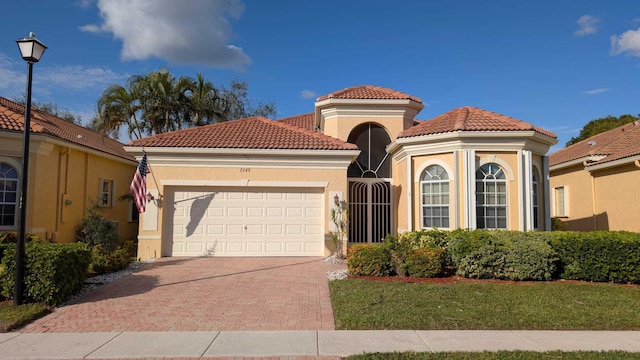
52 272
512 255
106 261
96 230
426 262
609 256
369 260
558 225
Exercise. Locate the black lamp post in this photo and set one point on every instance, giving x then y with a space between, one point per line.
31 50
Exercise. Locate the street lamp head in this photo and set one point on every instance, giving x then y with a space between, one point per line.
31 48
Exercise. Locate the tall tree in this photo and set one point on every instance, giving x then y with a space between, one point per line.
601 125
51 109
159 102
119 106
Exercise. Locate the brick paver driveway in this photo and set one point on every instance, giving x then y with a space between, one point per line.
204 294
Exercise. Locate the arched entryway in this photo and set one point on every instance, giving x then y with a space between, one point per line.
370 207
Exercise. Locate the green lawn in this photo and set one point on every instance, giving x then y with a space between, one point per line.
500 355
365 304
13 317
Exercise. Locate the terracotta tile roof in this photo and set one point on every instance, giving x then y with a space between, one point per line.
368 92
305 121
12 119
470 119
249 133
615 144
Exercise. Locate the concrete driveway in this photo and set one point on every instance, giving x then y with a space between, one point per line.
204 294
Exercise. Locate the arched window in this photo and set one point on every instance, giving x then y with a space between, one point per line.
373 161
8 195
434 185
491 197
534 198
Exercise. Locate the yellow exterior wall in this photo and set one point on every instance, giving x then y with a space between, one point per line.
341 127
62 182
605 199
580 202
150 242
617 200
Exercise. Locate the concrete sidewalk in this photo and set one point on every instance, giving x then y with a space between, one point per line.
305 343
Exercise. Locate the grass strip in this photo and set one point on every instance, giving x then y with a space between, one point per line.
13 317
500 355
375 305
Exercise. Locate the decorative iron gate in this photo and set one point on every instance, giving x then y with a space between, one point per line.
370 216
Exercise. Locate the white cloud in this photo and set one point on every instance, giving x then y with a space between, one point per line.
308 94
596 91
587 25
628 42
10 77
74 77
194 32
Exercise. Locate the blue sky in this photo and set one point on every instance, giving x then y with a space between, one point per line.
556 64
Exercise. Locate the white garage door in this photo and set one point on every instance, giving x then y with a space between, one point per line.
240 222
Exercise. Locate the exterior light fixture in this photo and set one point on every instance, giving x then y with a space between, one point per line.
31 50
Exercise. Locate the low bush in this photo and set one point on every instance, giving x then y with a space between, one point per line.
609 256
105 261
512 255
426 262
52 272
369 260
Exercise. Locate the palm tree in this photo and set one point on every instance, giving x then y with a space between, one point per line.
119 106
166 101
205 100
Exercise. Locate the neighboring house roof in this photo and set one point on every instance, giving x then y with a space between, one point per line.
12 120
619 143
248 133
470 119
305 121
369 92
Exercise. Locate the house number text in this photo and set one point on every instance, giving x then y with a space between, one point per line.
245 170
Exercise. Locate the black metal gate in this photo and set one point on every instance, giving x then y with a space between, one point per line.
370 216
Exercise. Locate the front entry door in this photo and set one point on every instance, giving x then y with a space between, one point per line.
370 215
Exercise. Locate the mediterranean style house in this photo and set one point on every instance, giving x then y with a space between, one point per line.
595 182
69 167
259 187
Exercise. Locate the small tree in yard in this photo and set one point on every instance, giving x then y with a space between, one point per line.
109 253
338 215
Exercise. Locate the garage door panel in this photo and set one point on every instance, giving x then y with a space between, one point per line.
236 222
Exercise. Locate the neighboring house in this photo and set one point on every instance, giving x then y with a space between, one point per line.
595 182
258 187
69 167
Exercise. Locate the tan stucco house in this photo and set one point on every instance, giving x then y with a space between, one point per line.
259 187
594 183
69 167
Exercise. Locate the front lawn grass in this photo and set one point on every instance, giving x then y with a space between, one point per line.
368 305
499 355
13 317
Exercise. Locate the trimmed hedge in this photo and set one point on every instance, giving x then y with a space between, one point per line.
610 256
53 272
369 260
603 256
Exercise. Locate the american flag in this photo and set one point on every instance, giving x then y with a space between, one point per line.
139 185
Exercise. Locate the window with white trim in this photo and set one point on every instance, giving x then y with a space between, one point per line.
106 192
491 197
560 197
8 195
434 186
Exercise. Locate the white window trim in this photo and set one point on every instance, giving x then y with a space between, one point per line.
112 201
18 168
448 181
554 208
506 181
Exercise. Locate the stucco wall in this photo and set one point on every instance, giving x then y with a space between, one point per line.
150 242
62 181
580 202
617 200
